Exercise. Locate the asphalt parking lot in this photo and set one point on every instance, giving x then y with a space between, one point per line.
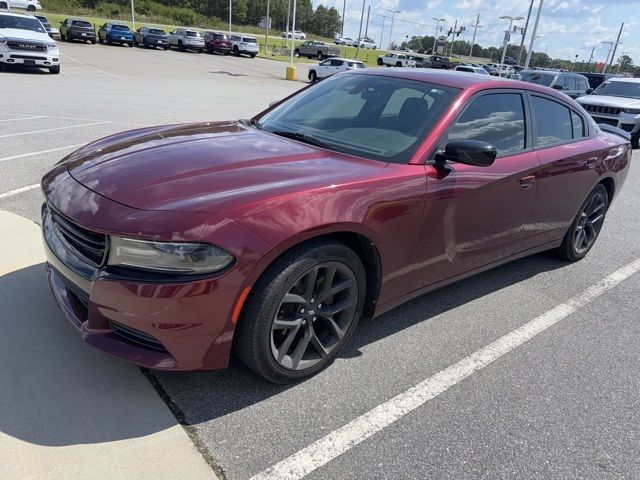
555 399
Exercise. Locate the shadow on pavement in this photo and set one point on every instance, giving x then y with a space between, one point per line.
210 395
54 389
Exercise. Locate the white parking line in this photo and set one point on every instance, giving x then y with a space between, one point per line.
53 129
343 439
11 193
96 120
41 152
89 66
20 118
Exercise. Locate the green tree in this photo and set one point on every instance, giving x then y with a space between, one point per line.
625 62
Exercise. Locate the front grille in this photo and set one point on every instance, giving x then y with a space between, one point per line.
602 109
91 246
136 336
28 57
28 46
608 121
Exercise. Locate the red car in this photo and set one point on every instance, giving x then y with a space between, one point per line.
169 246
217 42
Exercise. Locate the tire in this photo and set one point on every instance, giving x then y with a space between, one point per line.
635 141
285 354
313 76
209 50
296 53
31 8
180 46
585 226
199 50
62 37
380 62
135 42
166 48
320 56
93 41
3 5
109 42
130 44
253 55
398 64
100 40
236 52
55 69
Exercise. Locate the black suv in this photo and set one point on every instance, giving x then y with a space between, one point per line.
71 30
596 79
572 84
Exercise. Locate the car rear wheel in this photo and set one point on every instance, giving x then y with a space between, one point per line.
302 312
31 8
379 62
236 52
398 64
296 53
181 46
3 5
320 56
585 228
313 76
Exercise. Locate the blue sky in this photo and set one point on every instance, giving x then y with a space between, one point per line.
567 27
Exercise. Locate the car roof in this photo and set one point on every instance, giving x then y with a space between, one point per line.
623 79
455 79
20 15
345 59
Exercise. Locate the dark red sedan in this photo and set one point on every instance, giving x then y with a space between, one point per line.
169 246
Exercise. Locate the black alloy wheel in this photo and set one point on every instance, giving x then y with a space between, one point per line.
302 311
584 230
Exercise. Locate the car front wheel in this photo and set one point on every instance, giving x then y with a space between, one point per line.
302 312
313 76
55 69
585 228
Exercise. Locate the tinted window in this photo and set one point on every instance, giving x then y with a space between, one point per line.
21 23
577 124
345 112
619 89
156 31
553 121
192 34
497 119
249 40
80 23
538 78
122 28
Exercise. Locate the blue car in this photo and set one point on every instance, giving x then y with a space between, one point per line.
115 33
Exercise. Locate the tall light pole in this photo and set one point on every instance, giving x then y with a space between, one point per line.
359 40
524 32
507 35
533 35
475 29
344 7
133 16
230 16
391 29
615 46
293 28
590 58
435 38
266 31
288 18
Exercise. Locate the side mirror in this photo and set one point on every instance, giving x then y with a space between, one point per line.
558 87
589 91
469 152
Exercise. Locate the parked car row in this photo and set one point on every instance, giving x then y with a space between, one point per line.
183 39
363 42
410 59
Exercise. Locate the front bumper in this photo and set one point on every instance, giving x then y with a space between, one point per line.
174 325
48 58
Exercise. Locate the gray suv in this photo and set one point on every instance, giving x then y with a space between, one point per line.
572 84
186 39
616 102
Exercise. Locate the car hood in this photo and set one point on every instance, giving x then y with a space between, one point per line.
209 167
607 101
20 34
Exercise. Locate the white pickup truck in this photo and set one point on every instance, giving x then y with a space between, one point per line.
24 41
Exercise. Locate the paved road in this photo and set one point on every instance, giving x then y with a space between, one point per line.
561 405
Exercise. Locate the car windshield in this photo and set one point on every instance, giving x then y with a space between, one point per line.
377 117
538 78
619 89
192 34
249 40
121 28
81 23
156 31
21 23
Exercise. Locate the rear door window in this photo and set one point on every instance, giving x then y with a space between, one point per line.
552 120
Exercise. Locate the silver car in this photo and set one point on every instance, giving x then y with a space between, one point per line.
186 39
616 102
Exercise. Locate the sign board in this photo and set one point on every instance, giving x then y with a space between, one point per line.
264 23
442 39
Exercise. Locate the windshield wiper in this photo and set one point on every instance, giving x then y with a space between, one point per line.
303 137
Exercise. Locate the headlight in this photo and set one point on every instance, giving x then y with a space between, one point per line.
52 46
634 111
169 257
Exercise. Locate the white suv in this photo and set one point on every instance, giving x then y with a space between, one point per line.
616 102
29 5
186 39
331 66
242 44
396 60
24 41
